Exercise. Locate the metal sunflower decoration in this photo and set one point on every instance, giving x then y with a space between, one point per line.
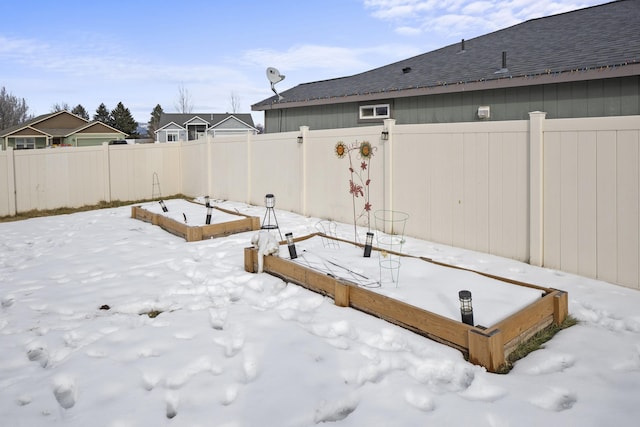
359 179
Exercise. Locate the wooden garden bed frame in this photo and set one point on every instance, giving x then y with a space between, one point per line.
486 346
195 233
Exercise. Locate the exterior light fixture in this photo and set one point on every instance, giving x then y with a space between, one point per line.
466 309
292 246
206 201
300 139
270 200
384 135
367 244
163 206
209 209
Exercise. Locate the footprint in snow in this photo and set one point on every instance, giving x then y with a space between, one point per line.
556 399
335 411
483 390
180 377
545 362
230 394
65 390
7 301
232 343
250 368
630 362
172 401
217 318
150 380
419 400
38 352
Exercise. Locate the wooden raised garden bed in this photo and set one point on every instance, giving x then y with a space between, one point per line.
233 222
487 345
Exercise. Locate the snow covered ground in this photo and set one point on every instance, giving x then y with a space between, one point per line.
231 348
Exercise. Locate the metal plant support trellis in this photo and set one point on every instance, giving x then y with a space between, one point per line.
359 180
389 239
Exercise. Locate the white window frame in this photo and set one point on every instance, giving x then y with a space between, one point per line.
24 143
173 136
375 112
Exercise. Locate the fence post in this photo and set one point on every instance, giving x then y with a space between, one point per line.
536 187
387 149
304 131
11 182
249 168
106 162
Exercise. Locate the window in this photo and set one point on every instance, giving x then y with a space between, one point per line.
172 137
380 111
25 143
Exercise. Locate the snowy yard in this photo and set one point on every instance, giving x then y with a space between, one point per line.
231 348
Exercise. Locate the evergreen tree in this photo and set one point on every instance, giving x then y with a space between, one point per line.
154 122
102 114
13 110
79 110
122 120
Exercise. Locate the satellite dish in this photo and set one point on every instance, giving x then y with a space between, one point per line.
274 77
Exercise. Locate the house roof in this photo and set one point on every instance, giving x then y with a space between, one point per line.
212 118
39 125
592 43
32 123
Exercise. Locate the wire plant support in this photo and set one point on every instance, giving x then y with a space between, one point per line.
389 239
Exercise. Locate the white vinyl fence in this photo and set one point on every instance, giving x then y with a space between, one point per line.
561 193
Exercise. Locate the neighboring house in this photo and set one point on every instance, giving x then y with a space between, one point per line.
584 63
58 129
174 127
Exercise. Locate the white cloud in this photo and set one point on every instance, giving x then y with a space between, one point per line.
336 60
408 31
446 18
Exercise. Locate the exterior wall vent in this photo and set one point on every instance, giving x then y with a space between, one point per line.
484 112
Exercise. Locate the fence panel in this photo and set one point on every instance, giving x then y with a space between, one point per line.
591 198
53 178
132 169
465 185
229 168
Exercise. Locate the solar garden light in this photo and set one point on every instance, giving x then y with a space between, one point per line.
206 202
292 246
367 244
466 309
209 210
270 200
163 206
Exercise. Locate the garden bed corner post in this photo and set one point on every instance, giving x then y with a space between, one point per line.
486 349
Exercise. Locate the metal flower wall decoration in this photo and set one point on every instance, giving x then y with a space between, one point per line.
359 155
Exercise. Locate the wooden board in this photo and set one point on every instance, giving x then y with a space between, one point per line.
486 346
196 233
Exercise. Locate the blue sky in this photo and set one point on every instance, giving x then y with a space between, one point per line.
141 53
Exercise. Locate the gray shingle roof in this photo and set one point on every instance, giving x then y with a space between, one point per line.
584 40
212 118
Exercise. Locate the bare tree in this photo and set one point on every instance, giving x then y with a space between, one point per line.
184 104
60 107
234 100
13 110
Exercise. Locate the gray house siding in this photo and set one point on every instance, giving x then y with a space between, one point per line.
592 98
